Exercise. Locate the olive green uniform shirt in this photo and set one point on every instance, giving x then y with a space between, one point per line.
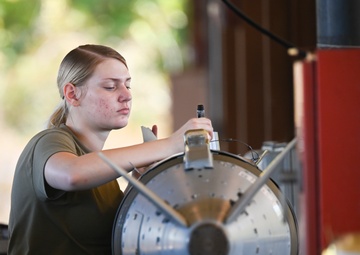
47 221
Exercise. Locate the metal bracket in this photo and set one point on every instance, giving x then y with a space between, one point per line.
197 150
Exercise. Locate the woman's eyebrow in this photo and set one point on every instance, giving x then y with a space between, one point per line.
117 79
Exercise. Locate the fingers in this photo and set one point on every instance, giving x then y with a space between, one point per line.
201 123
154 129
177 138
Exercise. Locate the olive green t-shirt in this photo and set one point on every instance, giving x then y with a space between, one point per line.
47 221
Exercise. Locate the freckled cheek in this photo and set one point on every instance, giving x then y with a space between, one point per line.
104 108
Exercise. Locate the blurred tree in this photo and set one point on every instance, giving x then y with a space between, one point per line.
113 16
158 26
17 26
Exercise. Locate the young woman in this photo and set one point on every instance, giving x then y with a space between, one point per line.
64 197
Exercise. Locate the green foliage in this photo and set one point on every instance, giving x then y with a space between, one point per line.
34 33
17 26
17 109
114 16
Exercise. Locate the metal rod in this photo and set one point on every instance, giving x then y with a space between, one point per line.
261 157
245 199
149 194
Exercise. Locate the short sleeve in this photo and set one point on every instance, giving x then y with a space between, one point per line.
47 145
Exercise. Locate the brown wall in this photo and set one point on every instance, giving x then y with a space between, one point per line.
248 80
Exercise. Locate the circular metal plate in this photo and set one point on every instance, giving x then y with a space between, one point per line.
203 197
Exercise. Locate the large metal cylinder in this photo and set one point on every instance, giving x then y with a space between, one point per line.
203 191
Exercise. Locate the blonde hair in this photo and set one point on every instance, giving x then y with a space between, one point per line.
76 68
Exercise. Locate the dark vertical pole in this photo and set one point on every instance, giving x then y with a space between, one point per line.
338 23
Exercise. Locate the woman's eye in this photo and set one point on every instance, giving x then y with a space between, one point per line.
109 88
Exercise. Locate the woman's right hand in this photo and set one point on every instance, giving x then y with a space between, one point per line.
177 138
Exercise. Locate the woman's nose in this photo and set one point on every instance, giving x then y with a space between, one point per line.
125 94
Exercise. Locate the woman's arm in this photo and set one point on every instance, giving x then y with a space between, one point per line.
68 172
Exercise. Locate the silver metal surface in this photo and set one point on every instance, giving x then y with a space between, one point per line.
204 197
149 194
242 202
287 174
197 150
215 142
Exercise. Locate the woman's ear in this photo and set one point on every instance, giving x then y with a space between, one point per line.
70 94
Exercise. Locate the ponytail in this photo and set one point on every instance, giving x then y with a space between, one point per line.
59 115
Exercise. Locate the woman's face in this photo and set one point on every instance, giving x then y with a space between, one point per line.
106 103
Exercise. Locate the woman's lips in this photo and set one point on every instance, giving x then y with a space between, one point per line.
124 111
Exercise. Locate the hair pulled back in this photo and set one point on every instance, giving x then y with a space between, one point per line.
76 68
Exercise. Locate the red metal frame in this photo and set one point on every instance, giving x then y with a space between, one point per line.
305 123
338 73
327 118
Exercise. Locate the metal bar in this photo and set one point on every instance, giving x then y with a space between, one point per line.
245 199
149 194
